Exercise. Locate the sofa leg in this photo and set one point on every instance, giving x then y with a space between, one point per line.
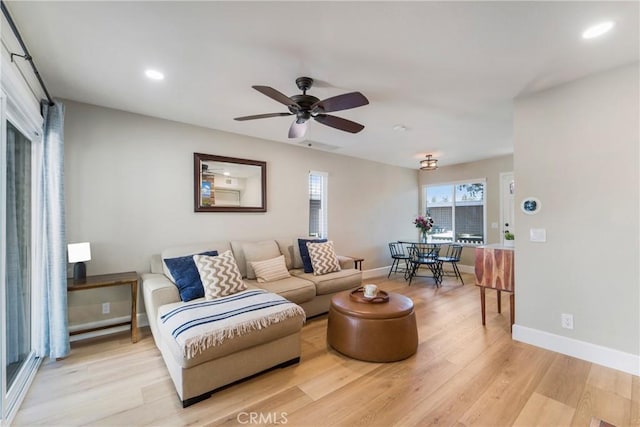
204 396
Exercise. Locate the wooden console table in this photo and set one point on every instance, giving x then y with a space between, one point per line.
494 270
104 280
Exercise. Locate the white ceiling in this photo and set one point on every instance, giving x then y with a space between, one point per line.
448 71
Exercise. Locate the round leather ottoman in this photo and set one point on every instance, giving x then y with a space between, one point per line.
374 332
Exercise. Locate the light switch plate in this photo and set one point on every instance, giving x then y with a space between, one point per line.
494 225
538 234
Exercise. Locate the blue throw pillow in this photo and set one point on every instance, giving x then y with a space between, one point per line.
185 273
304 253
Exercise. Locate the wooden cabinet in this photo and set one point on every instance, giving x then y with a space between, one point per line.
494 270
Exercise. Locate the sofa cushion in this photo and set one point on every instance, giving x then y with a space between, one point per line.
186 277
219 274
259 251
229 346
323 258
304 253
332 282
286 249
270 270
295 289
238 254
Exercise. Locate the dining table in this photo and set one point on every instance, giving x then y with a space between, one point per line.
416 260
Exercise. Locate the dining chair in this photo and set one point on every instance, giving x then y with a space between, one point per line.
425 254
400 258
453 257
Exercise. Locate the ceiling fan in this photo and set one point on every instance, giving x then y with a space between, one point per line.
305 107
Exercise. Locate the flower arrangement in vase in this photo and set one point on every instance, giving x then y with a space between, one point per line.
425 224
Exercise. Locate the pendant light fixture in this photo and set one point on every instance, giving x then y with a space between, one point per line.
428 164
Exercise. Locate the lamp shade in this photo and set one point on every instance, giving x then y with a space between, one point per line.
79 252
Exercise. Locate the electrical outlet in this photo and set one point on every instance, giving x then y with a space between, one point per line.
567 321
106 308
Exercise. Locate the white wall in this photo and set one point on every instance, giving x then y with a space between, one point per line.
18 74
129 191
252 190
576 149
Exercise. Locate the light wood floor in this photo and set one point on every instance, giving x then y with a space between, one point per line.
462 374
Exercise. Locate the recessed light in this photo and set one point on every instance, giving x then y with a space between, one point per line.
597 30
154 74
400 128
226 174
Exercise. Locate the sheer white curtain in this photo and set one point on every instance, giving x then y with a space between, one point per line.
52 305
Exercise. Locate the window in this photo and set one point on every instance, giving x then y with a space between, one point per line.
318 204
458 211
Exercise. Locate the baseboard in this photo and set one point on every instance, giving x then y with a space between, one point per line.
375 272
471 269
142 321
611 358
383 271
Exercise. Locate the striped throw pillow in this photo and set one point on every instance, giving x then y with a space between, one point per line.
219 274
323 258
271 269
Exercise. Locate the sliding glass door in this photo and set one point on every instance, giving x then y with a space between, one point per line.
18 253
18 149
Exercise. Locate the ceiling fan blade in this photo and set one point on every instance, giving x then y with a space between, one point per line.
341 102
297 130
277 96
261 116
339 123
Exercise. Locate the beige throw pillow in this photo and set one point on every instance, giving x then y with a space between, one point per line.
323 258
219 275
271 269
259 251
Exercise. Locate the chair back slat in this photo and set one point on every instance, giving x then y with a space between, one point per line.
396 249
456 250
453 252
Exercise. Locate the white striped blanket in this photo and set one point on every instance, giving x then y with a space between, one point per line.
199 325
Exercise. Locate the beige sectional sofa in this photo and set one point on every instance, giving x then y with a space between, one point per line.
251 353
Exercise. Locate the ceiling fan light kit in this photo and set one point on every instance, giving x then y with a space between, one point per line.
306 107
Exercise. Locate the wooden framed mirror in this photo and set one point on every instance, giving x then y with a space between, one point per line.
228 184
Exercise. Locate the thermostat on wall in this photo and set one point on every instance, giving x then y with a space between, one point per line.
530 205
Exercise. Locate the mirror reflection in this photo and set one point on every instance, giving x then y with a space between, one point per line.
226 184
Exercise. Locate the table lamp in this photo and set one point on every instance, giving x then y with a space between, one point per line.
78 253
